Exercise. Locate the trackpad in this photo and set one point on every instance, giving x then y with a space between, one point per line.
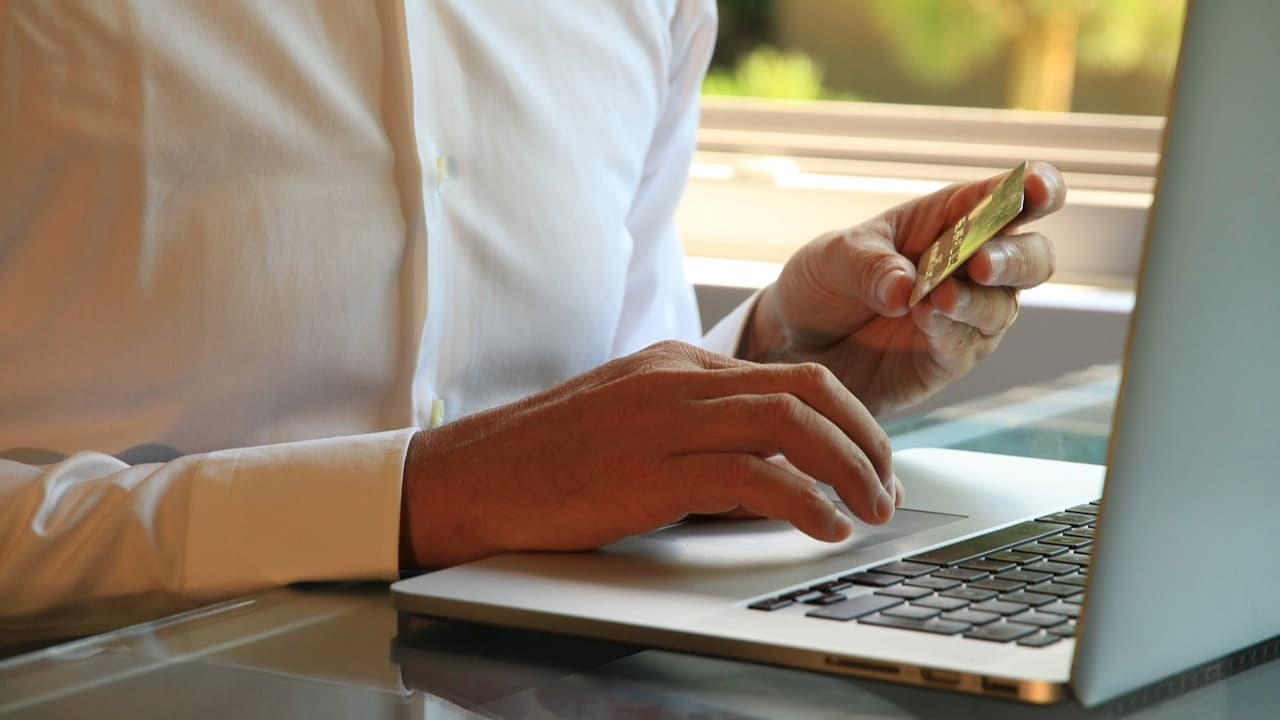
714 542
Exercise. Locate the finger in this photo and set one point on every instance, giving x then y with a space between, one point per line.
1044 192
1020 261
899 492
991 310
764 425
916 224
718 482
951 347
816 387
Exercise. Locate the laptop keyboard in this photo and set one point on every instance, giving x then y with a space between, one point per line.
1022 584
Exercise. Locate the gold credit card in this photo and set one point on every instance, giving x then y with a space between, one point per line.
962 240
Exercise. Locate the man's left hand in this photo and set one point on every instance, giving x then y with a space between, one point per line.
841 300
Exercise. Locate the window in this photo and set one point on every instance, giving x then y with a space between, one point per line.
820 113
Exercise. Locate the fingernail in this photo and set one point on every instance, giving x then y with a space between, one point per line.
999 259
1052 178
884 506
884 290
962 296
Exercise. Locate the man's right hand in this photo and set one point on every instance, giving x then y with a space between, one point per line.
639 443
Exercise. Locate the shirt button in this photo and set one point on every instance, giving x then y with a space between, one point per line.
442 169
437 413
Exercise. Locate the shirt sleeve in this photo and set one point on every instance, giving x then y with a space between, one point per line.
91 542
660 303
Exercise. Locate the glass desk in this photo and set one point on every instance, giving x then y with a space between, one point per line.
330 651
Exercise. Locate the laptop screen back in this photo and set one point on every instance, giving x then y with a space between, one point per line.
1189 564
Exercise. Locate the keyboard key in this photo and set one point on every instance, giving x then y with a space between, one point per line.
1039 619
933 583
969 593
905 592
1074 599
1067 518
933 625
1061 608
906 569
975 617
874 579
997 585
1059 589
1001 631
1025 576
804 596
1028 598
832 586
1086 509
1068 541
1013 557
1051 567
940 602
1084 532
1039 640
854 607
825 599
975 547
1078 579
965 574
1073 558
1066 629
1039 548
991 566
771 604
912 612
998 606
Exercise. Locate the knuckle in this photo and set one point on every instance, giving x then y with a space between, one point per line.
814 376
660 358
812 503
1051 257
784 407
1015 260
668 349
874 268
879 449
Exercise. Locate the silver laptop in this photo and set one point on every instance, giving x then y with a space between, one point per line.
1006 576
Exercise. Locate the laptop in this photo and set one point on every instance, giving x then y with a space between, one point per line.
1020 578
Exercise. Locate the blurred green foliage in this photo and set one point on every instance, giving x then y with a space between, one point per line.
1037 45
767 72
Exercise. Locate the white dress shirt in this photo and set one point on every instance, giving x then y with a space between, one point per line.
246 248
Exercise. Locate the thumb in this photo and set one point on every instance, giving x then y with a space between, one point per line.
879 275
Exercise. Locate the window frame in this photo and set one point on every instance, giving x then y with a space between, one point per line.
770 175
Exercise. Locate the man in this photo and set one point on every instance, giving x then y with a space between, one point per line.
248 250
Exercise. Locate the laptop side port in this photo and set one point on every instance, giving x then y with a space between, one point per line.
859 665
997 686
941 678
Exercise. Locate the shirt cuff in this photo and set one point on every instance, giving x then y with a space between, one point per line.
313 510
726 335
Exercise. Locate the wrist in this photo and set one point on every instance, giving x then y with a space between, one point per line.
409 559
445 516
762 335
